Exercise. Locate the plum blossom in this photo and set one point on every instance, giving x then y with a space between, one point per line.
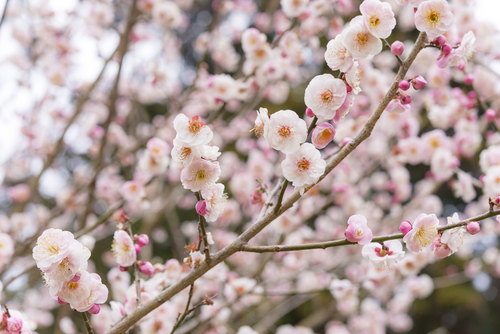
460 55
337 56
434 17
72 264
384 256
353 79
378 17
192 131
359 41
322 135
443 163
464 187
303 167
286 131
262 123
293 8
133 191
324 95
492 181
200 174
51 248
98 295
423 233
123 249
358 231
215 200
6 249
74 292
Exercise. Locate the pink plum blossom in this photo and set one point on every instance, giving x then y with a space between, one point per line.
384 256
397 48
75 293
303 167
14 324
72 264
337 56
215 200
51 248
359 41
378 17
123 249
286 131
192 131
133 191
358 230
434 17
98 295
460 55
353 78
200 174
322 135
423 233
473 227
324 95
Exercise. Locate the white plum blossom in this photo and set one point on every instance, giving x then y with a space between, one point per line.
359 41
123 249
51 248
72 264
443 163
492 181
384 256
223 87
215 200
304 166
167 14
200 174
464 187
192 131
76 291
98 294
286 131
434 17
423 232
337 56
353 78
293 8
378 17
262 123
324 95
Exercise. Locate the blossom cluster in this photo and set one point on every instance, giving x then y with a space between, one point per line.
63 262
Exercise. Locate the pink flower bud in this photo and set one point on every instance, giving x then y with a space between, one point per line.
490 115
14 324
309 112
75 278
469 79
95 309
473 227
345 141
405 99
137 248
405 227
461 65
446 49
440 40
404 85
201 208
418 82
142 239
123 268
256 197
147 268
496 201
322 135
305 15
397 48
61 302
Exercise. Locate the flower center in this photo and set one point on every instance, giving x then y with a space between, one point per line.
303 164
200 175
184 152
359 231
285 131
426 235
195 124
374 21
325 135
362 39
327 96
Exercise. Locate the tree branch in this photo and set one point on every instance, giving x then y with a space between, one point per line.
122 326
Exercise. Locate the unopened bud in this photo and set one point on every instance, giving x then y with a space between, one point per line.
123 268
309 112
473 227
446 49
404 85
405 99
95 309
137 248
397 48
14 324
439 41
490 115
418 82
147 268
469 79
142 239
201 208
405 227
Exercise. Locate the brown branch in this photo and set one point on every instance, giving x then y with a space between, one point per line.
87 323
122 326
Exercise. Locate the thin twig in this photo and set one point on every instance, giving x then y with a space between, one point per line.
181 318
87 323
280 197
203 232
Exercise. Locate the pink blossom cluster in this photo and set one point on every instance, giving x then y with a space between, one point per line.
125 251
63 262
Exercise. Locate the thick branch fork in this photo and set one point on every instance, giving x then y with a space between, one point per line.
140 312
